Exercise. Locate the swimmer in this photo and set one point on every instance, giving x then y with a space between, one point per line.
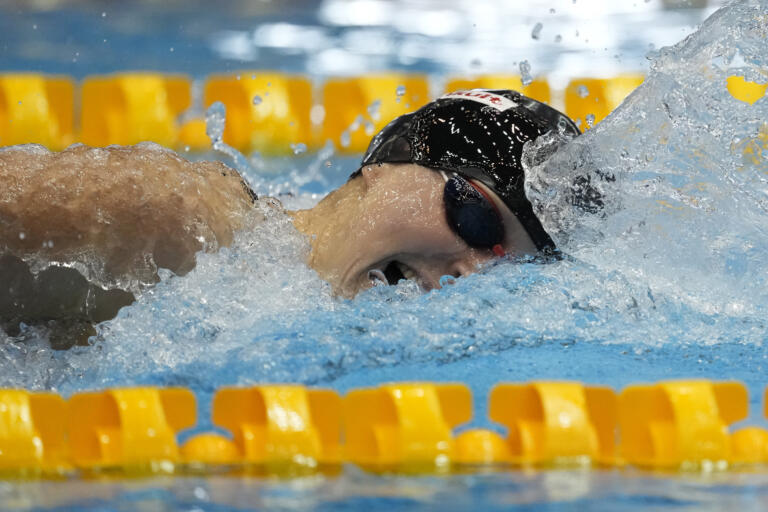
439 192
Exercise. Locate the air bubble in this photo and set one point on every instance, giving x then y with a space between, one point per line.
590 120
582 91
257 100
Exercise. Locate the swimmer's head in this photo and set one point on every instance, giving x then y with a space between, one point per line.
439 192
475 139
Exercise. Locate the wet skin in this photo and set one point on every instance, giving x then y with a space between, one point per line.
393 214
103 205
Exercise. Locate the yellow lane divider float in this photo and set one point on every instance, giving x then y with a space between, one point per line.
266 112
589 100
354 109
133 107
32 433
671 424
556 422
128 427
269 112
403 425
745 90
37 108
400 427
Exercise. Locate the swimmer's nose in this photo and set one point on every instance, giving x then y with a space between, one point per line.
463 268
468 264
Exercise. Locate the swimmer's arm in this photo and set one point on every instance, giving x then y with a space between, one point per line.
131 209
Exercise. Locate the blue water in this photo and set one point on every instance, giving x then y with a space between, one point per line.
520 491
332 37
667 281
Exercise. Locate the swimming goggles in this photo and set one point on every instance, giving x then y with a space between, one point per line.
472 214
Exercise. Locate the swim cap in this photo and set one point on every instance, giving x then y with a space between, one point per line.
478 134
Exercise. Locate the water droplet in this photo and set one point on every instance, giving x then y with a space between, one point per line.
317 114
257 100
552 11
327 163
525 73
171 49
374 110
446 280
103 14
215 117
34 27
400 91
369 128
558 38
356 123
299 148
344 139
590 120
22 235
582 91
536 32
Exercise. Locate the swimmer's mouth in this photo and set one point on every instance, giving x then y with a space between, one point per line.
393 272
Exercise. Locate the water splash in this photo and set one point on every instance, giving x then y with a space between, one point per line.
683 198
215 123
661 210
525 73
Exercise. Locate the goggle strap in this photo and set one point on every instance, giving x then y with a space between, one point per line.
487 198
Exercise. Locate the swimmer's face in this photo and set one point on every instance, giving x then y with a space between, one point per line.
400 231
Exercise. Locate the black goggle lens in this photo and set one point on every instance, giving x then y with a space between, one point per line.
470 214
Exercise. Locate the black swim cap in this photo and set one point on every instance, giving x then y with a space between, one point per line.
478 134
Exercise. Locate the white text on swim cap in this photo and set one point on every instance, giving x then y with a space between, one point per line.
482 96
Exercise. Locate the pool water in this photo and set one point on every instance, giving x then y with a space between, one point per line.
667 280
561 490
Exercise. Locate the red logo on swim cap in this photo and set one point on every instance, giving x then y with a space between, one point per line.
483 96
